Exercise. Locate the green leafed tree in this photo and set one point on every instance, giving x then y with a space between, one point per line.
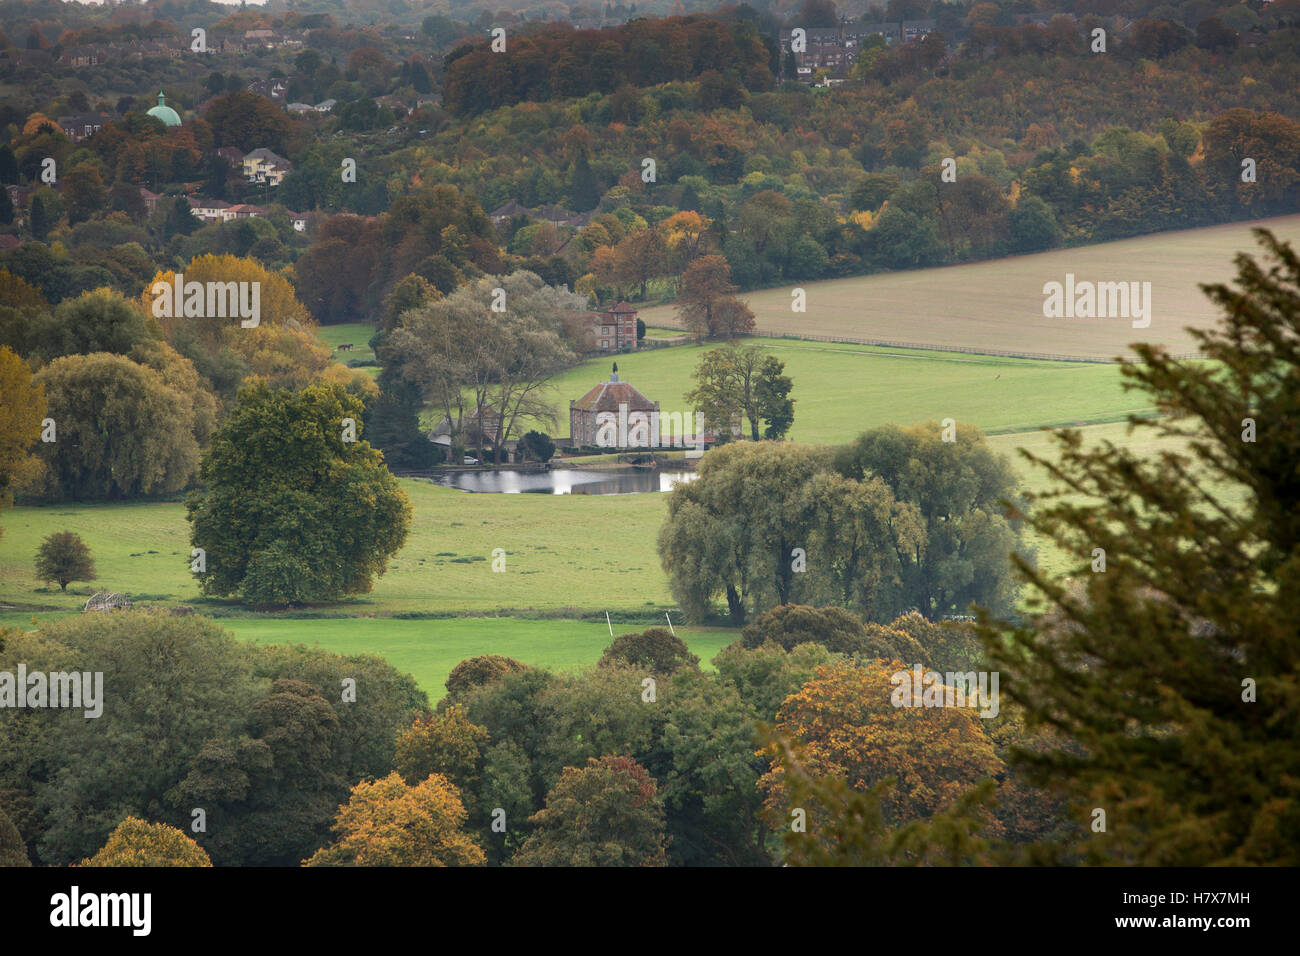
607 813
292 512
63 558
657 649
958 487
1172 676
123 429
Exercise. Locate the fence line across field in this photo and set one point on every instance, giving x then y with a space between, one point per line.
967 350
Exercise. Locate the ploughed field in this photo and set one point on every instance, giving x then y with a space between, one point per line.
998 305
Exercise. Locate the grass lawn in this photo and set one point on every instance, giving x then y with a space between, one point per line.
570 551
842 390
428 650
565 554
1033 478
356 333
999 305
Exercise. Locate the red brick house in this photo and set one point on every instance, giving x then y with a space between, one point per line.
614 330
604 397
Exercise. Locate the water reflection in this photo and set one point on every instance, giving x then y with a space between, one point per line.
564 481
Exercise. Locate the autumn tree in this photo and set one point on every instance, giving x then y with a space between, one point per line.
686 236
63 557
22 408
388 823
607 813
1182 655
293 509
281 350
447 743
851 828
640 257
849 728
1272 141
137 842
706 303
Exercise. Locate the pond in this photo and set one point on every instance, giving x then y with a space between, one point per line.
565 481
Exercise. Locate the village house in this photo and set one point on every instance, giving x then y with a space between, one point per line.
835 49
82 126
264 166
150 200
614 330
270 88
20 196
78 56
479 428
212 210
555 215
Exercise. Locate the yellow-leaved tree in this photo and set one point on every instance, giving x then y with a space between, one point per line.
846 726
22 406
387 823
137 842
282 348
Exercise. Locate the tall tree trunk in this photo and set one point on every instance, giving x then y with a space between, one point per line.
735 606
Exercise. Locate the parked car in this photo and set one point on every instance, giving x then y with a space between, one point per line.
470 461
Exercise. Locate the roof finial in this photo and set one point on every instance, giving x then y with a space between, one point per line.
613 376
162 100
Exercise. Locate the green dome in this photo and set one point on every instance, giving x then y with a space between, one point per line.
165 113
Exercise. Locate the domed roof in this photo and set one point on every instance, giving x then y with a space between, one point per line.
165 113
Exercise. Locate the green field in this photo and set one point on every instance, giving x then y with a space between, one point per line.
998 305
428 650
562 551
565 554
356 333
842 390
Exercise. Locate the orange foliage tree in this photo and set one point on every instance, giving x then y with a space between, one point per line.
847 727
387 823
